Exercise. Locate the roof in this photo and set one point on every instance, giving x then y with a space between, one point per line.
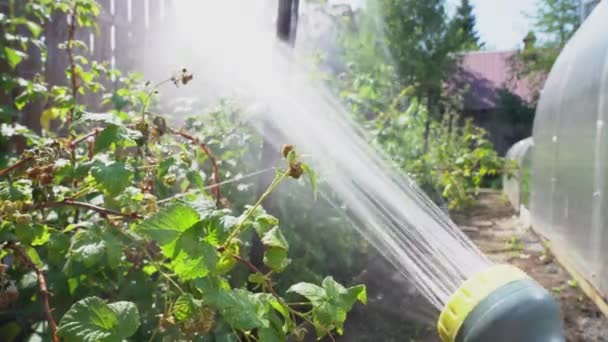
486 73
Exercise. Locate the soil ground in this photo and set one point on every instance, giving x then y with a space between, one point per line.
494 226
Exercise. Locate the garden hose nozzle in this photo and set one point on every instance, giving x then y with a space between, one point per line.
501 304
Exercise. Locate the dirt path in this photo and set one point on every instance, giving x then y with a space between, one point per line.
493 226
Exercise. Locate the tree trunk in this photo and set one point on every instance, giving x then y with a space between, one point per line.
427 124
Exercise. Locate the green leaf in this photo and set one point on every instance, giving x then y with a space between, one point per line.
128 317
31 252
264 222
291 157
57 248
98 118
256 278
179 236
275 238
49 115
195 178
92 320
331 303
241 309
114 177
34 28
276 259
32 234
166 226
92 248
270 334
326 316
87 248
315 294
114 134
41 235
13 57
113 249
21 100
356 293
312 178
275 255
195 263
227 261
288 324
185 307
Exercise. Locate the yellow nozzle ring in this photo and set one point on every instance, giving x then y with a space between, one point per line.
471 293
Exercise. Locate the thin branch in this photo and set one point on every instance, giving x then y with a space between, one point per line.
44 292
215 186
254 269
77 141
160 270
146 103
100 210
237 230
18 164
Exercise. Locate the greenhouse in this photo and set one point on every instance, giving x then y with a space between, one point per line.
568 157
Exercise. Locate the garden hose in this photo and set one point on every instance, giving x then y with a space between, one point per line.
501 304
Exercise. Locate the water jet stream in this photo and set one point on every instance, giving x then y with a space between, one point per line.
234 52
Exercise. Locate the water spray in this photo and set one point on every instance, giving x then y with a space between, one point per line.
480 302
499 304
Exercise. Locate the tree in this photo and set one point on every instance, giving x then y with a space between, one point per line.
418 37
462 28
555 21
416 34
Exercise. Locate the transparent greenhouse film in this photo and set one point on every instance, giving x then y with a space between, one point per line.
512 185
234 52
569 158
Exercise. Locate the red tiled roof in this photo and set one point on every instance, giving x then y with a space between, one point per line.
486 73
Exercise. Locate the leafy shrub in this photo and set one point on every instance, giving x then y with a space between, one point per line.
449 157
119 216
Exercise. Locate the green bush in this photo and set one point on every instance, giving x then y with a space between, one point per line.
121 217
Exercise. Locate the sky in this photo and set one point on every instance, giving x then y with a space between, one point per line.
501 24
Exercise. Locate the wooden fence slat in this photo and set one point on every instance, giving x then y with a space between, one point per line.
139 34
29 69
103 40
123 37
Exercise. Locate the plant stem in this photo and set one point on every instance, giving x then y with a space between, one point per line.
267 284
82 192
278 179
299 304
215 189
146 102
44 292
160 270
77 141
14 166
100 210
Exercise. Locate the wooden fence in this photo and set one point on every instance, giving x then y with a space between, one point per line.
124 31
